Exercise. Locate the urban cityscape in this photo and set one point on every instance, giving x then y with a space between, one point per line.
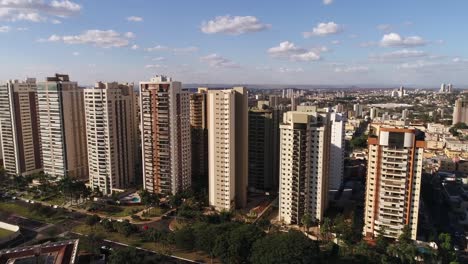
116 147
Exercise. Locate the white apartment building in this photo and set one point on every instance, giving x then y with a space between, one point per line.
227 148
304 166
393 182
111 129
62 127
19 128
337 150
165 136
460 111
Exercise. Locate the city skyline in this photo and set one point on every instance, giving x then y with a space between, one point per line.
317 43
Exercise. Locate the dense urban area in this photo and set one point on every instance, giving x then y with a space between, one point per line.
160 172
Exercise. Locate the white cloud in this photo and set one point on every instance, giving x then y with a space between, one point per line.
233 25
76 53
157 48
155 66
335 42
399 54
459 60
288 50
98 38
188 49
4 29
352 69
159 59
394 39
56 21
134 19
134 47
324 29
129 35
37 10
384 27
287 70
327 2
217 61
416 65
185 49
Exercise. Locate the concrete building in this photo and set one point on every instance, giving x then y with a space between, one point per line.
228 148
404 114
264 149
111 130
358 110
374 113
19 128
460 111
393 188
199 131
337 150
166 138
304 166
274 100
62 128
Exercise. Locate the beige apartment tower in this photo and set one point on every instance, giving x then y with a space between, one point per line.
304 166
62 128
165 136
460 111
393 182
199 131
19 128
228 147
111 129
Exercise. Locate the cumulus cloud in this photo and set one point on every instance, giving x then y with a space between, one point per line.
352 69
4 29
233 25
157 48
98 38
76 53
324 29
37 10
217 61
394 39
399 54
134 47
288 50
327 2
155 66
134 19
188 49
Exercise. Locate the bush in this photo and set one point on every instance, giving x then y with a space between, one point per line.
92 220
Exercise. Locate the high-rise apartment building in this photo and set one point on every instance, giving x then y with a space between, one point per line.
393 181
337 150
358 108
304 166
264 149
460 111
199 128
111 136
228 147
62 127
165 136
19 128
274 100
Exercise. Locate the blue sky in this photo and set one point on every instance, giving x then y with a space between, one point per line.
341 42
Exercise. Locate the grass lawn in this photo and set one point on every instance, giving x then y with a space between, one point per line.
154 212
4 233
56 200
135 241
17 209
127 210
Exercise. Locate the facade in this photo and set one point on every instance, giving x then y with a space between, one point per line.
165 136
274 100
228 148
264 149
199 131
304 166
393 182
460 111
358 109
62 127
337 150
19 128
111 128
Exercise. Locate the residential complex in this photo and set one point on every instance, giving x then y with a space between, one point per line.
393 181
228 148
62 127
111 128
304 166
165 136
19 128
460 111
199 134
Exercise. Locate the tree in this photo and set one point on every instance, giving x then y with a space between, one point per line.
291 247
403 249
359 142
241 240
454 129
307 221
148 198
125 256
184 238
326 229
92 220
445 251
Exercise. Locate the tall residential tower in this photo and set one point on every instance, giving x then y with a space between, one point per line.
199 131
165 136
